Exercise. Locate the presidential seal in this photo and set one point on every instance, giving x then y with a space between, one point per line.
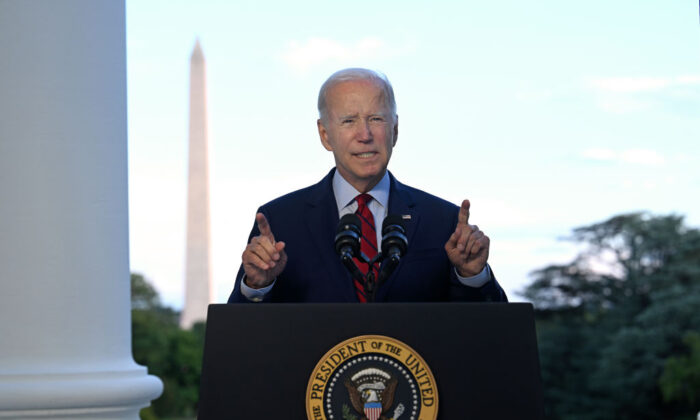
371 377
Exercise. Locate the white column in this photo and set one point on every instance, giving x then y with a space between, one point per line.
65 336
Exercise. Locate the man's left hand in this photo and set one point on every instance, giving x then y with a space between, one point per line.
468 247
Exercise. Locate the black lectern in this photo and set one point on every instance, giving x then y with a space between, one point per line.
259 359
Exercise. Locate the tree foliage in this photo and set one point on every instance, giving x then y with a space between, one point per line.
611 323
680 381
172 354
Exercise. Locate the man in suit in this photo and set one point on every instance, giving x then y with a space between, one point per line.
290 256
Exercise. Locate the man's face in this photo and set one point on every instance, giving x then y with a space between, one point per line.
360 130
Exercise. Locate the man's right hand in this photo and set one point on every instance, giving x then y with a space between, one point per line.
263 258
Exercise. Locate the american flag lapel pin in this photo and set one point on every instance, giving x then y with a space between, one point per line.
406 216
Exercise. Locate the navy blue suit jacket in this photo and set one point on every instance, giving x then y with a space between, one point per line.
307 219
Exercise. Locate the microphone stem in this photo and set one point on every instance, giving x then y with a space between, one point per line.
350 265
370 290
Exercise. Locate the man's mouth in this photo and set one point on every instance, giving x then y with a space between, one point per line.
365 155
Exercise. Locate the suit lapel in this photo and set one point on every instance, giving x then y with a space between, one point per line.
321 219
401 203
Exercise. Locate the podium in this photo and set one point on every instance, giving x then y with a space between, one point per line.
259 360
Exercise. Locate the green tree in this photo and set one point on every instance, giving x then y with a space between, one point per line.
610 321
680 381
172 354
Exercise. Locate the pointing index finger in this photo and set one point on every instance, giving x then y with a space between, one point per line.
464 213
264 227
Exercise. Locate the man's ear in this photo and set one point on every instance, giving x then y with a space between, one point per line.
396 131
323 134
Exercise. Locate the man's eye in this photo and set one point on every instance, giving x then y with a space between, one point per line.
377 119
348 121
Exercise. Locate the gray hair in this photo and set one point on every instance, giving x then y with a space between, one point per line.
352 74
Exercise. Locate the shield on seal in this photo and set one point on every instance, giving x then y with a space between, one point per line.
373 410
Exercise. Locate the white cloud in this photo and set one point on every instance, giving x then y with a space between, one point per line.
302 56
599 154
688 80
534 95
620 95
642 84
622 105
630 84
644 157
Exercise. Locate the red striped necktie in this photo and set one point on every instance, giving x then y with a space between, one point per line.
368 243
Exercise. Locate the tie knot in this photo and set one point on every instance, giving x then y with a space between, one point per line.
363 199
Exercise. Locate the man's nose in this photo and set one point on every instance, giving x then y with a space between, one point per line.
364 132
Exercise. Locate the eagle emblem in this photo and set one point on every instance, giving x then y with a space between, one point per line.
371 392
371 377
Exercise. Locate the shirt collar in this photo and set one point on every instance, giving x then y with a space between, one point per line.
346 193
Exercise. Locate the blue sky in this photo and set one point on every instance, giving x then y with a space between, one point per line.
547 115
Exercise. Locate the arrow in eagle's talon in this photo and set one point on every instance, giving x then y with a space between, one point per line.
398 411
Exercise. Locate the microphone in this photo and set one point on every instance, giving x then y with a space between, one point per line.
347 239
394 241
347 242
394 245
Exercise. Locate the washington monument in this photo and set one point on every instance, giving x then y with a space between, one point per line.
197 265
